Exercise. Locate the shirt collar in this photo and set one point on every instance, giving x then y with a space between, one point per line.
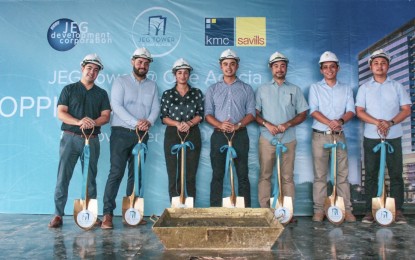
135 79
372 80
324 84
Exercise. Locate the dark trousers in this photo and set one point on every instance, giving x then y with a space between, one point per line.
172 163
395 169
122 142
71 149
241 144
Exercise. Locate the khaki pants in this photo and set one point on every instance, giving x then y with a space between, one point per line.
321 158
267 159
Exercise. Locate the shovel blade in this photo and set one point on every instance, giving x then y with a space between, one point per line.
390 205
132 214
85 217
284 212
386 215
227 202
334 209
176 202
376 205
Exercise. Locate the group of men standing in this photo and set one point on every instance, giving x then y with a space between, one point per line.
230 105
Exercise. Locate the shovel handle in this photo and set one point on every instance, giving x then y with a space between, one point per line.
140 138
87 137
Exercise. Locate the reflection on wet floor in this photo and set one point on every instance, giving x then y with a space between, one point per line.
28 237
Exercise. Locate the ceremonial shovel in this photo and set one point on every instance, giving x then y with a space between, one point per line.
85 209
383 210
133 205
283 205
334 205
182 201
233 201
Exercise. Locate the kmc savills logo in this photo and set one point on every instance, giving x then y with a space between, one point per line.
157 29
241 32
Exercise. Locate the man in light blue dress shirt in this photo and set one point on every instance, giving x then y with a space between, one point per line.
280 106
135 104
229 107
383 103
331 106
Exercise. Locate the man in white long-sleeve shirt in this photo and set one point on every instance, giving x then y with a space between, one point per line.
135 105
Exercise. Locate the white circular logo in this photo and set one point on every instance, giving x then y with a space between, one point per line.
157 29
283 214
132 216
86 219
335 214
384 216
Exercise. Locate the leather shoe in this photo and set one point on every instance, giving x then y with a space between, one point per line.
318 217
349 217
142 222
107 222
56 222
98 222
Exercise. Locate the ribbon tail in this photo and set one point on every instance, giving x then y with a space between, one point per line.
85 171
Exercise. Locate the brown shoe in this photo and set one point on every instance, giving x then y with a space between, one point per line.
293 220
368 218
349 217
142 222
318 217
56 222
107 222
400 218
98 222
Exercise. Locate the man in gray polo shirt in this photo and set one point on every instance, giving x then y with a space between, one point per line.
280 106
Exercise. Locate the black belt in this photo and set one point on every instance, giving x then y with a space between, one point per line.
237 130
80 135
123 129
328 132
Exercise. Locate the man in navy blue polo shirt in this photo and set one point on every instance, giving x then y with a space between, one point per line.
81 106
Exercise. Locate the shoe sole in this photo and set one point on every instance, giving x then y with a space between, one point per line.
367 221
106 227
401 222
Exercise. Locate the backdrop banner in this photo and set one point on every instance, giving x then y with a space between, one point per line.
43 43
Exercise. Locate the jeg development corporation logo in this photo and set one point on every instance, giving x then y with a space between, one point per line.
157 29
63 34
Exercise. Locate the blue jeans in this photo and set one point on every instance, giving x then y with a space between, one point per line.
241 144
71 148
122 142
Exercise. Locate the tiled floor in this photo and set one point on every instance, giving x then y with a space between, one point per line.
28 237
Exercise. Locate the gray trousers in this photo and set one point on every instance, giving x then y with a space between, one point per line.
71 149
267 159
321 158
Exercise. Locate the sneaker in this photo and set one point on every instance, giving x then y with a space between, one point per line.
368 218
56 222
107 222
318 217
400 218
349 217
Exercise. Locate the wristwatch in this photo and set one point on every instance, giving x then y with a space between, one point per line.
392 122
239 125
341 121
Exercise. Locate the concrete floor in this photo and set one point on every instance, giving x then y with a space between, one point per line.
28 237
